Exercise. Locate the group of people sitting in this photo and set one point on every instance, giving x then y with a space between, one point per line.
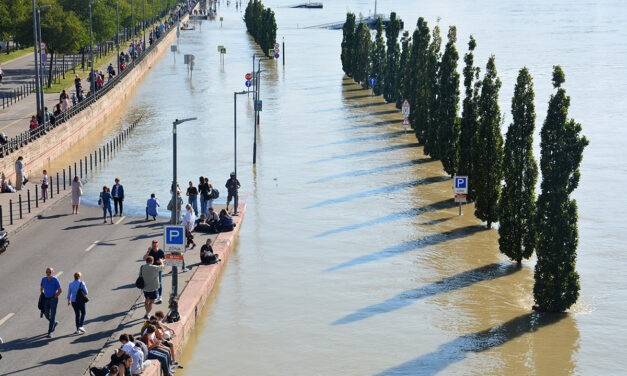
214 223
134 355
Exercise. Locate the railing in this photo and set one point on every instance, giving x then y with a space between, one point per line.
82 168
25 137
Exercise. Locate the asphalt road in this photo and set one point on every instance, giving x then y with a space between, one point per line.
109 256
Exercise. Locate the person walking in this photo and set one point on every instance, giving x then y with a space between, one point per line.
77 192
19 172
189 220
192 196
150 274
176 205
51 288
232 185
210 195
151 207
158 257
117 192
75 291
203 193
45 181
105 200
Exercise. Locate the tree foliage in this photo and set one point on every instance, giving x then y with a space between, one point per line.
469 120
419 88
348 41
361 58
404 71
261 24
378 60
556 285
488 153
391 77
517 206
433 67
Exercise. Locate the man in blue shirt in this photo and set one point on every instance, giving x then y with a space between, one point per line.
117 192
51 288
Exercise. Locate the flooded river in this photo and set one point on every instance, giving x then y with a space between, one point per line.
352 259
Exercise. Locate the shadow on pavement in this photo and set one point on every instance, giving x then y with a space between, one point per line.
108 317
124 287
54 216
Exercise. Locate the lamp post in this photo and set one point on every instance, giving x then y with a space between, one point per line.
117 33
132 21
91 54
36 45
174 314
144 22
39 69
235 94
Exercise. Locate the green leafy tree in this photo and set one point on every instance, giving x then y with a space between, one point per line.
378 60
433 88
418 90
348 43
488 154
447 122
361 63
391 81
517 206
469 118
556 285
16 22
404 70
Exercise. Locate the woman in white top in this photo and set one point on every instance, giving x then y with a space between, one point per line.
45 181
189 220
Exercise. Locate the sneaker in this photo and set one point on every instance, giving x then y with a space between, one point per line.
185 270
49 335
81 329
77 332
54 326
146 218
105 222
146 317
158 301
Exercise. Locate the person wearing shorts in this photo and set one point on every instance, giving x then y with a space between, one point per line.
150 274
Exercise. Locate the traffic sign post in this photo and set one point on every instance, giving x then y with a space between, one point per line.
174 238
405 108
405 124
460 189
172 259
372 82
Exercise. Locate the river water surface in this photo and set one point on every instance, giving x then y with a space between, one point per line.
352 259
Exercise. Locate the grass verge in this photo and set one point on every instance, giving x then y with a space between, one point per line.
14 54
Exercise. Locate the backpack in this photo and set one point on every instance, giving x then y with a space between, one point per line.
215 194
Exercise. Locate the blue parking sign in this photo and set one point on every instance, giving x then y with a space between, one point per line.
460 185
174 238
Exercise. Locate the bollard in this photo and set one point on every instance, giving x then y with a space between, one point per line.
86 165
69 174
57 186
20 204
75 174
10 212
99 155
28 198
63 182
1 224
81 174
91 167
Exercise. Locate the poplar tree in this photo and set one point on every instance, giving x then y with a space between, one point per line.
404 69
488 153
517 206
377 68
433 67
556 285
469 118
446 121
361 59
419 95
390 81
348 44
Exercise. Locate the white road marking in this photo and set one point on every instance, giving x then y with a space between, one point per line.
6 318
119 220
92 246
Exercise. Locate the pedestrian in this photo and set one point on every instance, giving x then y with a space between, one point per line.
65 101
176 206
77 192
189 221
117 192
51 288
206 254
202 191
150 274
75 292
158 257
105 201
232 185
19 172
210 195
192 196
45 181
151 207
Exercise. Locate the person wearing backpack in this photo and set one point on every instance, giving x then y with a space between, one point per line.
211 195
232 185
76 287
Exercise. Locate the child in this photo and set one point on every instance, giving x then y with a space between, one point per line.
44 185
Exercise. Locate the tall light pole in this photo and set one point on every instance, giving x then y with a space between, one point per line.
235 94
91 54
117 33
173 219
40 69
36 45
144 22
132 21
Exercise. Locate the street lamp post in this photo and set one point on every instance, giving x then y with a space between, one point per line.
173 220
117 33
40 70
36 45
91 55
235 94
144 22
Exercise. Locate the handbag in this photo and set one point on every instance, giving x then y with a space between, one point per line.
139 282
100 201
81 295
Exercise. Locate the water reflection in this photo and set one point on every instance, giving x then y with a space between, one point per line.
374 170
367 152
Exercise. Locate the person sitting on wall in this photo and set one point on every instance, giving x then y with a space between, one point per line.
225 224
207 257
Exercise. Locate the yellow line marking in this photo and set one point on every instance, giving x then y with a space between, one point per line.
13 122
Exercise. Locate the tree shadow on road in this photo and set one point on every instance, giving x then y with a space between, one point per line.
53 216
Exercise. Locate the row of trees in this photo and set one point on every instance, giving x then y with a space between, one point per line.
502 176
261 24
65 23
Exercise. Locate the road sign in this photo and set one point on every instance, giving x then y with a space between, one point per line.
276 46
174 238
248 76
174 260
276 55
405 108
44 58
248 84
372 81
405 123
460 198
460 185
173 48
223 50
220 48
43 46
271 52
258 104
